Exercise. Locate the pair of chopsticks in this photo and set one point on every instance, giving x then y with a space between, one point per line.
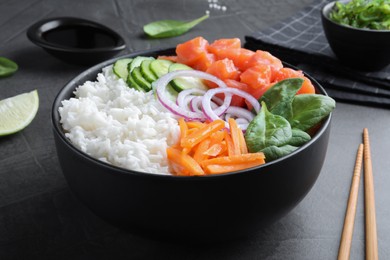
363 153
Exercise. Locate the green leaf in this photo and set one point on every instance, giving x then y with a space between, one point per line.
298 137
280 96
267 129
7 67
171 28
310 109
274 152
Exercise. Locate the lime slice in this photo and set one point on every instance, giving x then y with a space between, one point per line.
17 112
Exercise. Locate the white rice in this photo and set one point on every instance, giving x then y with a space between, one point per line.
119 125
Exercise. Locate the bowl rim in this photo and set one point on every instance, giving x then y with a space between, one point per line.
35 34
326 9
112 169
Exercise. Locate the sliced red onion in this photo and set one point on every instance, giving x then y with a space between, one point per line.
196 104
206 102
182 98
161 84
240 113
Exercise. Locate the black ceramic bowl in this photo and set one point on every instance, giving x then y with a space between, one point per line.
359 48
75 40
205 208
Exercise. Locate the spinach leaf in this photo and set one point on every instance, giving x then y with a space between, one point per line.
310 109
7 67
170 28
280 96
298 137
274 152
267 129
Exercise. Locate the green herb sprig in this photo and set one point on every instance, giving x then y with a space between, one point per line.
170 28
285 118
365 14
7 67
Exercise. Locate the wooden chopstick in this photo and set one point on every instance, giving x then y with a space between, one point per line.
364 151
346 237
371 235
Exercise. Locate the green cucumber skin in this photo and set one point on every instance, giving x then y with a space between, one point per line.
120 68
160 67
132 84
180 84
140 80
137 62
146 72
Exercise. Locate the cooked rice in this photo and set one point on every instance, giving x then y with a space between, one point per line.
119 125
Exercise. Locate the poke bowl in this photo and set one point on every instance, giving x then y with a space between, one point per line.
175 205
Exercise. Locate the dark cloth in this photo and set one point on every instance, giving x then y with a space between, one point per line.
300 41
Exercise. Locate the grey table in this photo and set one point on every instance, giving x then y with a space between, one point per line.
39 218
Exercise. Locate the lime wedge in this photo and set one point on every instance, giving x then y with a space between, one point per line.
17 112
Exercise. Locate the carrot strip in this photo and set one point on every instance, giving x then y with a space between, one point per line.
234 132
235 159
186 162
214 150
197 136
219 168
202 147
208 148
229 143
243 147
194 124
183 128
217 137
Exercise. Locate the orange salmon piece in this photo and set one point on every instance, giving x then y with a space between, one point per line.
190 51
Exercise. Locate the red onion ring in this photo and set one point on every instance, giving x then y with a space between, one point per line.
161 84
206 102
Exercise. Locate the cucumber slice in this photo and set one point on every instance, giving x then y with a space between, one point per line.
160 67
132 84
140 80
146 72
137 62
120 68
172 93
183 83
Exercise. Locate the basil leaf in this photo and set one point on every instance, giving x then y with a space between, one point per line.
298 137
274 152
310 109
279 97
170 28
267 129
7 67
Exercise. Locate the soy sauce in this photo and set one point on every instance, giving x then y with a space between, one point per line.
84 37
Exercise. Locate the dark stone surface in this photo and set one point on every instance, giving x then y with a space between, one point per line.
39 218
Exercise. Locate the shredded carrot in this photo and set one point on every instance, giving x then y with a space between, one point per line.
200 153
197 136
229 143
235 159
224 168
235 133
194 124
183 128
214 150
243 147
209 148
187 163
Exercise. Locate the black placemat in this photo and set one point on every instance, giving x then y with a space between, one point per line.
300 40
